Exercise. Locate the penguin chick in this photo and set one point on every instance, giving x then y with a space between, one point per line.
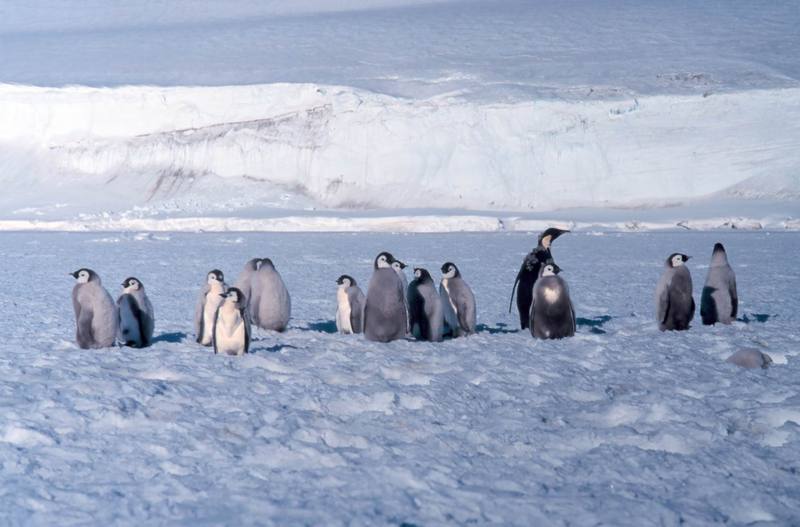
350 306
207 305
274 305
426 317
458 302
232 324
552 314
719 301
385 316
674 302
136 316
95 312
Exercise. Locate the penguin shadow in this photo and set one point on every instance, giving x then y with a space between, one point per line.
595 324
321 326
174 337
273 349
499 329
759 318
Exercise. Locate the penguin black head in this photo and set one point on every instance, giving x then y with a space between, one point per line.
397 264
215 275
550 268
384 260
549 235
449 270
253 264
422 275
85 275
233 295
266 262
719 256
132 283
346 280
677 259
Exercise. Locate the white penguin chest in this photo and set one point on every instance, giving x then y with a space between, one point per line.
446 285
343 312
550 294
213 300
230 331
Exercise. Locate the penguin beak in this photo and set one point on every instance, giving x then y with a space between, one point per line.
73 275
223 295
688 257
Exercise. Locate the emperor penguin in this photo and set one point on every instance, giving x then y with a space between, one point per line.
274 305
245 281
674 301
529 273
426 317
458 302
207 305
384 310
399 268
719 301
350 306
552 315
95 312
136 316
232 324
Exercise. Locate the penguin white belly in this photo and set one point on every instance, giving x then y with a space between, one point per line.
129 329
229 333
343 312
213 300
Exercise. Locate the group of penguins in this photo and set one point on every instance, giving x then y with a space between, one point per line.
392 308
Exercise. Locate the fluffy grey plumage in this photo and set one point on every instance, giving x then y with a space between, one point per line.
719 301
95 312
552 315
270 303
458 302
136 315
244 282
384 311
426 317
674 302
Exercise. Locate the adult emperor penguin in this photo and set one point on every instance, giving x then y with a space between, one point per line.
426 317
529 273
552 314
350 306
245 281
207 305
674 301
95 311
384 311
232 324
458 302
274 305
719 301
399 268
136 316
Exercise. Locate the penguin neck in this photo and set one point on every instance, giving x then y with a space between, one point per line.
719 258
216 287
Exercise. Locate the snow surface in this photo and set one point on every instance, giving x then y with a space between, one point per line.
619 425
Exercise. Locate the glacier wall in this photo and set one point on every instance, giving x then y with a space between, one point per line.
344 148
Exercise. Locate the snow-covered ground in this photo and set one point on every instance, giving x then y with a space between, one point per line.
619 425
215 115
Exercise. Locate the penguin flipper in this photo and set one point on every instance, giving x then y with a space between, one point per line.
246 321
513 291
734 298
663 305
84 334
214 331
198 314
132 306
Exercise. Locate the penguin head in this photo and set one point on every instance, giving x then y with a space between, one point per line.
677 259
131 284
449 270
253 264
384 260
215 276
346 281
422 275
398 266
233 295
85 275
550 268
719 256
266 262
549 235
